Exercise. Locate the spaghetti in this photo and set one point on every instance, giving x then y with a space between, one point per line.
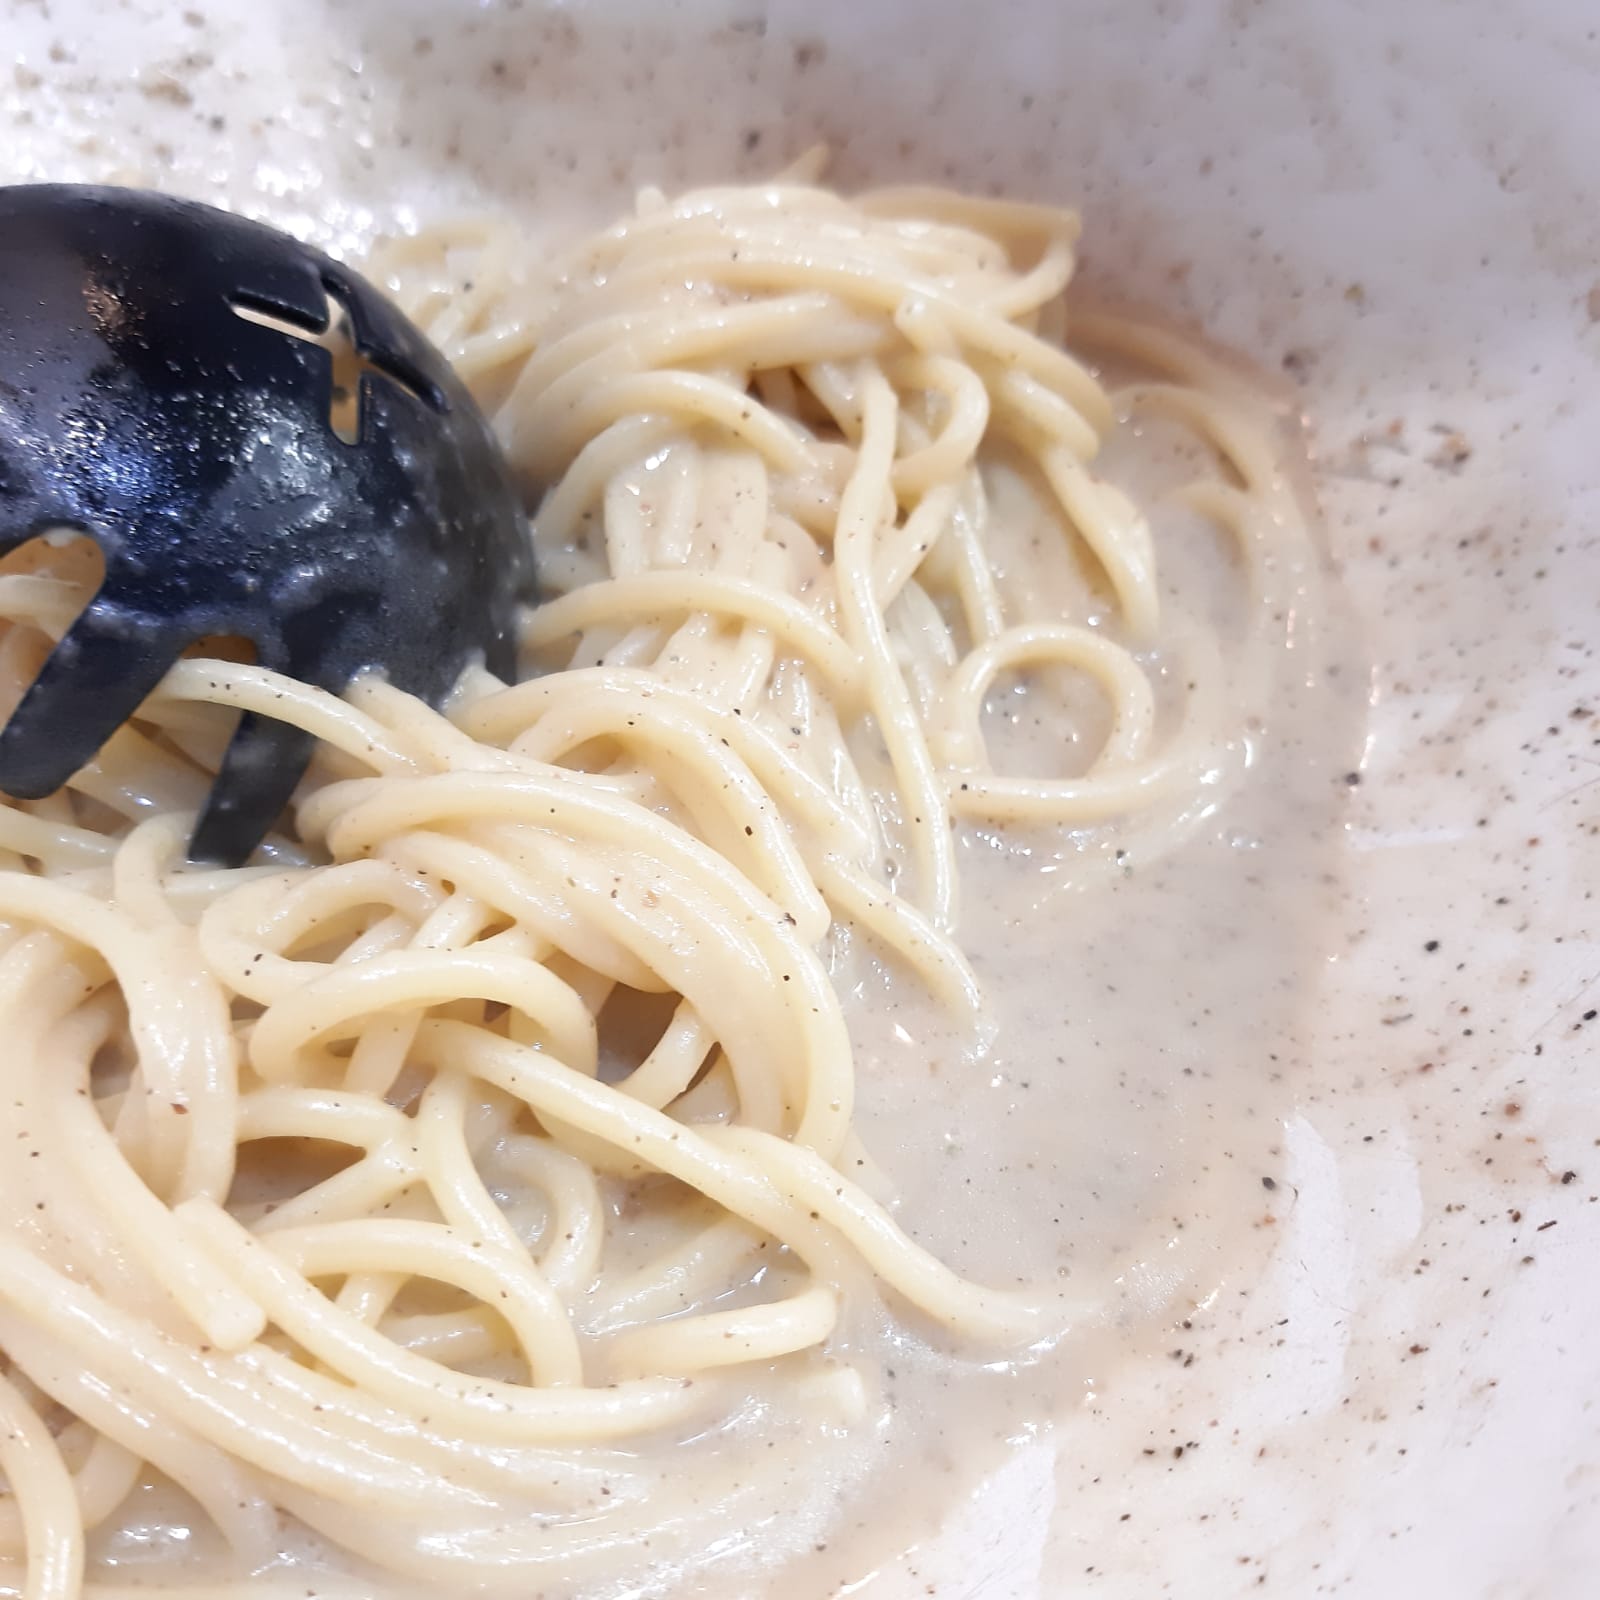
405 1181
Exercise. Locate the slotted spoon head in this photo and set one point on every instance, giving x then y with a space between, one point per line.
162 391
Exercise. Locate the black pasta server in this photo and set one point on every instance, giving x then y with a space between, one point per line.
163 390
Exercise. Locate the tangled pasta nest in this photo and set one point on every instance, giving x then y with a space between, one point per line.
503 1116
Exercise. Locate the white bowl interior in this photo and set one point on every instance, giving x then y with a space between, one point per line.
1387 202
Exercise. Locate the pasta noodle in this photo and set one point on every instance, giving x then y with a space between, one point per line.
403 1182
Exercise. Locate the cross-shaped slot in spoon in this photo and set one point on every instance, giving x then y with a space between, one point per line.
350 365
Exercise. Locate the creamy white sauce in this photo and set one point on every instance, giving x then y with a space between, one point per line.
1125 1131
